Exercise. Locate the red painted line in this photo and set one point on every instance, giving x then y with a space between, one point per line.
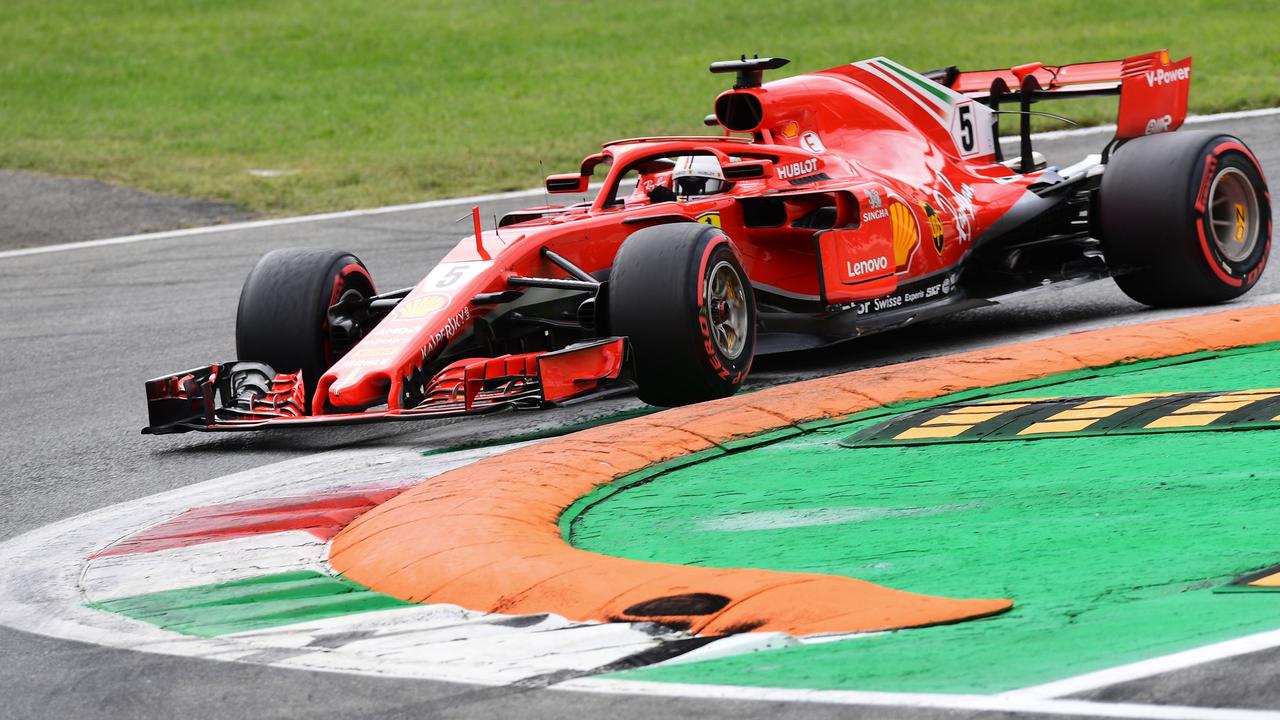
321 516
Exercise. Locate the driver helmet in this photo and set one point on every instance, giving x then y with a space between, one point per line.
697 175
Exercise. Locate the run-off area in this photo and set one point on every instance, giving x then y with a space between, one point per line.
1114 549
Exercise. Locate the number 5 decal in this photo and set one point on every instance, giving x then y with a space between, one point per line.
967 140
448 277
971 129
451 277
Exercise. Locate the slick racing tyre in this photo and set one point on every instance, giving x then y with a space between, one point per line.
1185 218
679 294
284 319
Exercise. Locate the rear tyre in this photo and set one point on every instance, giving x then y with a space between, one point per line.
679 294
1185 219
283 319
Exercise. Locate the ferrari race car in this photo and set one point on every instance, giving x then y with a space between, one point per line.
831 205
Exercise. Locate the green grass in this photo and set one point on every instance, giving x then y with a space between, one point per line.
393 101
1111 547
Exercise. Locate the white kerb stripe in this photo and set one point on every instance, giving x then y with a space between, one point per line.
1154 666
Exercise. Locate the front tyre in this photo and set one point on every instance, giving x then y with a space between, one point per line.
679 294
1185 218
284 317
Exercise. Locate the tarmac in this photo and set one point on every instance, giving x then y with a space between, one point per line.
86 327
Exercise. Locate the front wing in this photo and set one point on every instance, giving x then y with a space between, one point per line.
251 396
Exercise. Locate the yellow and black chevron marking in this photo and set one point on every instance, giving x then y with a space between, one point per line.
1035 418
1267 579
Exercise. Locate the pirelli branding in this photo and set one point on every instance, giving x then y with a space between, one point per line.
1018 419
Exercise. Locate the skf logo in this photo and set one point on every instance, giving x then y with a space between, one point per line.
422 306
935 227
1163 77
1159 125
709 218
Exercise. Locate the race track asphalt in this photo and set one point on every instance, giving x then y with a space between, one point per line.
41 210
83 329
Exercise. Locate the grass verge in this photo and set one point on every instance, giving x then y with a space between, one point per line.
363 104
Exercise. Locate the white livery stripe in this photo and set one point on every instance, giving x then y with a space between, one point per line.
901 86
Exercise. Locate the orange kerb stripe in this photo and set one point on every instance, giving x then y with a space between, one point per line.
485 536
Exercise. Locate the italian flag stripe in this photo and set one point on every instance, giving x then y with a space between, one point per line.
917 80
251 604
893 80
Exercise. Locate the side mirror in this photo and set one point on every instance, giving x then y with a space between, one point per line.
567 183
745 169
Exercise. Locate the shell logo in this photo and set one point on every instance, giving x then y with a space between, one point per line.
906 234
422 306
790 129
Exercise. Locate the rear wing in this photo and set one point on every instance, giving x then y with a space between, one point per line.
1153 90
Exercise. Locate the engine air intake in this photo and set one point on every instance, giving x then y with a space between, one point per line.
739 112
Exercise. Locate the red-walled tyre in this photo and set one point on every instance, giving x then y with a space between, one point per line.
679 294
283 319
1185 218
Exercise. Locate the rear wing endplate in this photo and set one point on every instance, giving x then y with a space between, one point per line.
1153 89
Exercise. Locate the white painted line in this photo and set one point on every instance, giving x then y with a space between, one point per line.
40 572
48 575
43 575
255 224
1154 666
511 195
983 703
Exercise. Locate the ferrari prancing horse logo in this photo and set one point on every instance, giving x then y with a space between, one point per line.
709 218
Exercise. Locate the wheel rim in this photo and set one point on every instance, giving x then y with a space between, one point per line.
344 320
1233 214
726 310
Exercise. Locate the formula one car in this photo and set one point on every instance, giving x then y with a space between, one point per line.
832 205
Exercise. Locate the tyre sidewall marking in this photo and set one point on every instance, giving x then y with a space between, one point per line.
723 366
1245 273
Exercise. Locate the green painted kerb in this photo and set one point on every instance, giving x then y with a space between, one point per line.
1111 547
253 604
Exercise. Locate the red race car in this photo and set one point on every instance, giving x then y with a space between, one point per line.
832 205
